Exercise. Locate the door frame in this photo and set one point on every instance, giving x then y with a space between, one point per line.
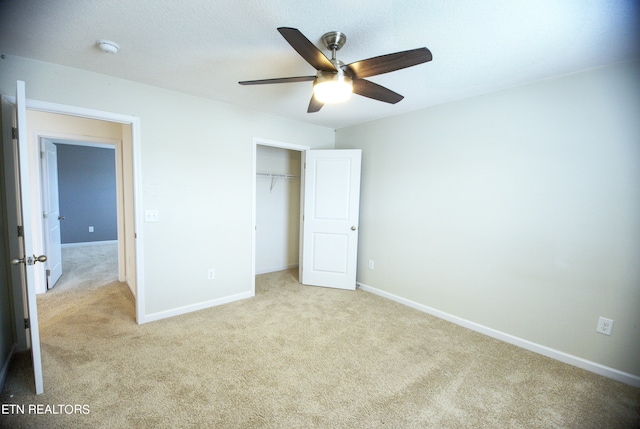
282 145
78 140
136 176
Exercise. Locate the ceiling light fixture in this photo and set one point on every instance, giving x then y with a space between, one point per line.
108 46
332 87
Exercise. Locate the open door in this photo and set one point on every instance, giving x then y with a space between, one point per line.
21 249
51 214
330 218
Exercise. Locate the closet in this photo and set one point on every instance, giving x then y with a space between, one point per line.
277 208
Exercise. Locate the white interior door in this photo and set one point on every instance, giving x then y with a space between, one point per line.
330 218
22 254
51 215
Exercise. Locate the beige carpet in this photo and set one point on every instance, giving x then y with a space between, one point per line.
296 357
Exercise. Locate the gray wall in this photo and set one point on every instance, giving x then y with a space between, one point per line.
87 189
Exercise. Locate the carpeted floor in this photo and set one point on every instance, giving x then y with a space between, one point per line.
295 357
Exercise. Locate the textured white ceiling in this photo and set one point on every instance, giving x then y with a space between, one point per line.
205 47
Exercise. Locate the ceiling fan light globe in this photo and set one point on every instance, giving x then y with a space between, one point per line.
331 92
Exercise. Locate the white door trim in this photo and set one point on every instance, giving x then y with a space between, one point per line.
264 142
134 121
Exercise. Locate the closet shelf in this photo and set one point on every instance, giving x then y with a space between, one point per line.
274 178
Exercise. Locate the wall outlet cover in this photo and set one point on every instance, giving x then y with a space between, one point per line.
605 326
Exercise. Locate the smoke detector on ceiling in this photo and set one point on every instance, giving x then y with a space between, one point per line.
108 46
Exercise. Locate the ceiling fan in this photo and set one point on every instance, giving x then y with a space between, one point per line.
335 81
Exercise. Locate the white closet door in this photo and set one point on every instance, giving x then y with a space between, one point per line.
330 221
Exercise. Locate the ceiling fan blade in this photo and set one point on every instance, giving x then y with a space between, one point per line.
314 105
278 80
375 91
390 62
306 49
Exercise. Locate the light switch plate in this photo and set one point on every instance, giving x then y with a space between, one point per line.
151 216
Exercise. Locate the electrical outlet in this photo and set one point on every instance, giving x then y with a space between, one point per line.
371 264
211 274
605 326
90 229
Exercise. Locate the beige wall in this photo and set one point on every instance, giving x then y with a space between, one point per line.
196 158
518 210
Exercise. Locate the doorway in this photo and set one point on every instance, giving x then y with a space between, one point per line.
120 131
277 192
277 209
82 133
80 202
328 213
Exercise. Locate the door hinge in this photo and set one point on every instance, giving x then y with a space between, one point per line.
27 324
45 215
14 133
20 231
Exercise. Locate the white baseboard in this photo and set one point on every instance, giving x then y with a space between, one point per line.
273 270
194 307
89 243
5 366
594 367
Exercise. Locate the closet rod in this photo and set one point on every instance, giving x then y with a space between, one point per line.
282 176
275 177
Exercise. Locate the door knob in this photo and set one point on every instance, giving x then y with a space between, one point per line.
29 260
60 217
353 228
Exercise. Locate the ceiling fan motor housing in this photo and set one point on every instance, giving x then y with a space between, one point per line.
334 40
333 76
